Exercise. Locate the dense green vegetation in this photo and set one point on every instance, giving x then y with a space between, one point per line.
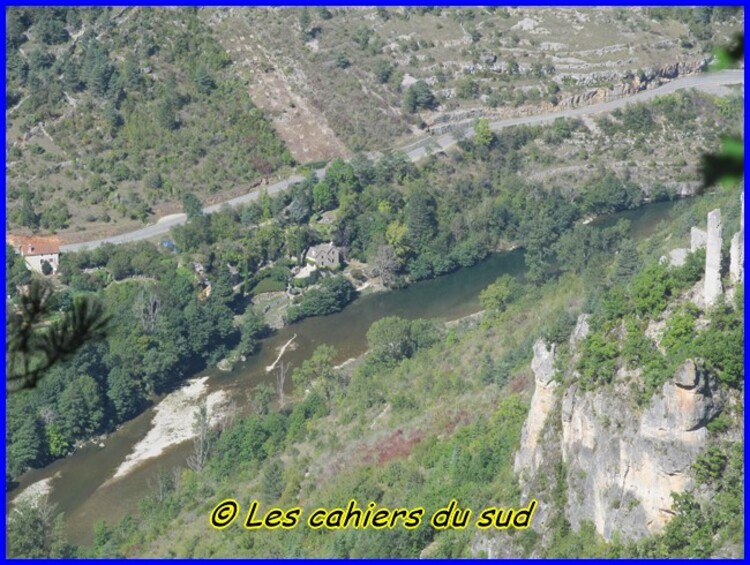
431 412
130 124
160 331
416 222
395 428
631 306
388 213
331 296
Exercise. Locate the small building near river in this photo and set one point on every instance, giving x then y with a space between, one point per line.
324 256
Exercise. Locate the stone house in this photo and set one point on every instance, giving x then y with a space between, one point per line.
36 250
324 256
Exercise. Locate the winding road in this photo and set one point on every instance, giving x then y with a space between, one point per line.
711 82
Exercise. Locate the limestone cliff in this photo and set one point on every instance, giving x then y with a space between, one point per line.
530 454
621 463
623 459
621 467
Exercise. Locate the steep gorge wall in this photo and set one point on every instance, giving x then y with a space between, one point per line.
622 460
621 463
621 467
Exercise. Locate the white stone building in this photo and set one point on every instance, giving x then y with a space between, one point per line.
37 250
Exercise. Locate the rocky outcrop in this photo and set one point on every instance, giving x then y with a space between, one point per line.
530 455
622 470
677 257
697 239
737 249
736 258
579 332
621 463
713 289
627 83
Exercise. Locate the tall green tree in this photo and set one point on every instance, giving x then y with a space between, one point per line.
192 206
36 529
421 220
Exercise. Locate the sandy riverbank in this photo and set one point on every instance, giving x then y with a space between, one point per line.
173 422
36 491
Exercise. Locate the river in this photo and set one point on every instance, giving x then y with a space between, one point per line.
78 481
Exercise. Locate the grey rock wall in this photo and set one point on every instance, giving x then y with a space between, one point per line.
529 456
712 285
737 249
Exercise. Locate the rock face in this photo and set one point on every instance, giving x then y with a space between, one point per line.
579 332
530 455
621 463
697 239
737 249
677 257
736 258
627 83
713 288
622 470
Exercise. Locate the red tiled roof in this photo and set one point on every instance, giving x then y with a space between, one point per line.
32 245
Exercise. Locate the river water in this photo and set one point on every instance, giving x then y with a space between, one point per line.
78 481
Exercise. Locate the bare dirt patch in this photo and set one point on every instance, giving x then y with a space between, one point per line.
303 128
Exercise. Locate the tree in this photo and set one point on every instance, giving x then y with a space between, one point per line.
609 194
421 217
51 30
467 88
342 61
388 339
203 80
324 13
55 217
386 264
28 216
36 529
650 289
16 272
499 294
392 338
125 392
304 24
204 439
192 206
324 197
166 114
318 371
46 268
35 344
252 329
331 296
419 97
627 263
271 481
340 175
397 237
484 137
146 308
383 70
81 408
25 441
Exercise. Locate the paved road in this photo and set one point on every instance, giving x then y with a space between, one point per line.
418 149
